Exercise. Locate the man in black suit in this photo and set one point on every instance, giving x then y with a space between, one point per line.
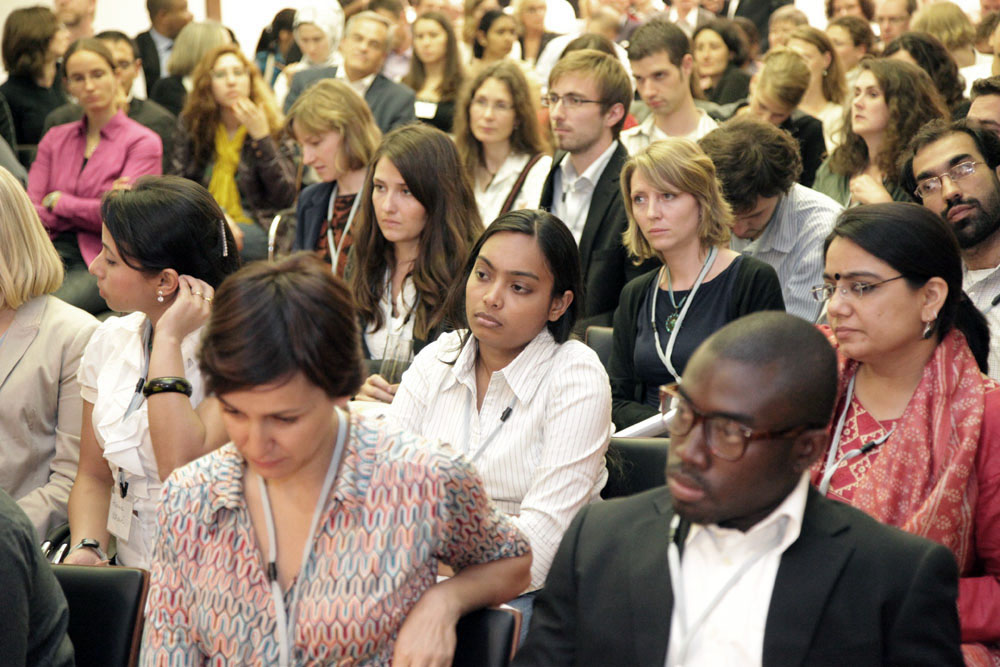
588 98
367 41
167 18
737 560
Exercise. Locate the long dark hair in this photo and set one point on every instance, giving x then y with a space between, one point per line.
933 58
921 246
561 254
454 74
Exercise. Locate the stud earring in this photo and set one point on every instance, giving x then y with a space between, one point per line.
159 295
928 329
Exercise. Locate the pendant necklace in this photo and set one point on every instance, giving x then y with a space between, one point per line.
671 321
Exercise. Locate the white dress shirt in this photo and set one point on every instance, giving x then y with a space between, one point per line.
546 459
982 287
164 46
399 325
360 86
733 632
572 192
642 135
490 201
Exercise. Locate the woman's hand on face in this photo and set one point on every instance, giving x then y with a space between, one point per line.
189 310
867 190
376 388
427 636
84 556
252 117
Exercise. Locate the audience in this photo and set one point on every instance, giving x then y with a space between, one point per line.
317 28
892 100
41 342
914 433
775 219
720 52
736 561
78 162
677 215
165 249
229 140
495 37
301 475
33 41
436 74
338 137
827 92
499 140
926 52
277 48
194 42
985 106
167 19
853 39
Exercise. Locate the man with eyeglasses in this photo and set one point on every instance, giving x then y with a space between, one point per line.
953 169
737 560
893 18
145 112
588 98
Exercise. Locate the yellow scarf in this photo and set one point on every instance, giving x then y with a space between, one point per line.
222 185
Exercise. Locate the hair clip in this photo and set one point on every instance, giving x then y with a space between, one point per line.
225 244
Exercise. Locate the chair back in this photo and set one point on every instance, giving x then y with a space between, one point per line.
105 612
487 637
600 340
634 465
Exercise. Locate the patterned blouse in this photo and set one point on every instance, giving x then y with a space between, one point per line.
398 506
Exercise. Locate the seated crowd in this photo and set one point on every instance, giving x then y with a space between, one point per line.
302 332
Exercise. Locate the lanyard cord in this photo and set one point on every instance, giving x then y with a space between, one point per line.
147 350
832 462
335 257
665 356
286 617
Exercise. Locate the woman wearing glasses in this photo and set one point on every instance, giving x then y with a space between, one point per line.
500 142
917 424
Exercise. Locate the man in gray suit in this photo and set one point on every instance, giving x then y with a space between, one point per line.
367 41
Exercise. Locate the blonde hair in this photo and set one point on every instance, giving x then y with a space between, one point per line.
331 105
677 165
947 22
29 264
192 43
784 77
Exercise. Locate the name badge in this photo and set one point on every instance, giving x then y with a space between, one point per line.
425 109
120 515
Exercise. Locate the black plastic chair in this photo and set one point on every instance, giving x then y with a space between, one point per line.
600 340
487 637
634 465
105 612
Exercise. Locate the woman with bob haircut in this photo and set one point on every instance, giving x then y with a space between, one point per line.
229 140
415 229
338 137
165 250
824 98
892 100
436 73
41 341
499 140
194 40
287 513
677 214
916 430
78 162
720 52
529 407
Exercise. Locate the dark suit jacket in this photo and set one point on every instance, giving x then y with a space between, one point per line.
150 58
310 214
758 11
849 591
170 93
391 103
606 264
144 112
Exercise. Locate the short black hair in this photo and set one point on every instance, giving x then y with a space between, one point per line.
986 142
119 36
656 36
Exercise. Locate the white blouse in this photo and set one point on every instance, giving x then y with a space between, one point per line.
112 365
399 325
545 460
490 201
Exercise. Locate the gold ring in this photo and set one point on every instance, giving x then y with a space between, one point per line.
207 298
196 293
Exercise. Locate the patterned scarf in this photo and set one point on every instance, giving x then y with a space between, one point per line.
222 184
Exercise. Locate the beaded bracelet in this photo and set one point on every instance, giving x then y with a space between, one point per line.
167 385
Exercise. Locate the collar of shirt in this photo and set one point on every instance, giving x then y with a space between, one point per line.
590 175
521 375
790 512
777 235
163 44
110 128
361 85
972 279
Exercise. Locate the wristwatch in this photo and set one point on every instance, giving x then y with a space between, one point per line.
90 543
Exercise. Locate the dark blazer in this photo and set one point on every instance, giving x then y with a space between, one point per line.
150 59
734 85
144 112
170 93
310 213
606 265
849 591
391 103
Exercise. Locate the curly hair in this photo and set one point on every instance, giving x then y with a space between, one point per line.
427 160
26 36
202 114
912 101
454 73
526 136
932 57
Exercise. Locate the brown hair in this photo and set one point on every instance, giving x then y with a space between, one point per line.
27 33
454 74
947 22
784 77
834 82
331 105
613 84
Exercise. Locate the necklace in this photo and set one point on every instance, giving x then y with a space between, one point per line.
672 317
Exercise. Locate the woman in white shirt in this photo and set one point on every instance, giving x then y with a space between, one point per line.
165 248
530 408
417 221
500 141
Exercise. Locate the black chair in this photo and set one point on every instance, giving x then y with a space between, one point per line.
634 465
487 637
105 612
600 340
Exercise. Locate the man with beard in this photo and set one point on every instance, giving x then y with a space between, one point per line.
952 169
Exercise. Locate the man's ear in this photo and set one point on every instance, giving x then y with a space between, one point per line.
808 447
613 115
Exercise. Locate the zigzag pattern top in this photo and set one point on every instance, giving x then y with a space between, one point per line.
399 505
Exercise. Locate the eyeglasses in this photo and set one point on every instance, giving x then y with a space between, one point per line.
483 104
726 438
123 64
235 72
856 290
930 187
552 100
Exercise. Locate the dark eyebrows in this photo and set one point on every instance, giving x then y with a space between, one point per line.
746 420
853 275
958 159
520 274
